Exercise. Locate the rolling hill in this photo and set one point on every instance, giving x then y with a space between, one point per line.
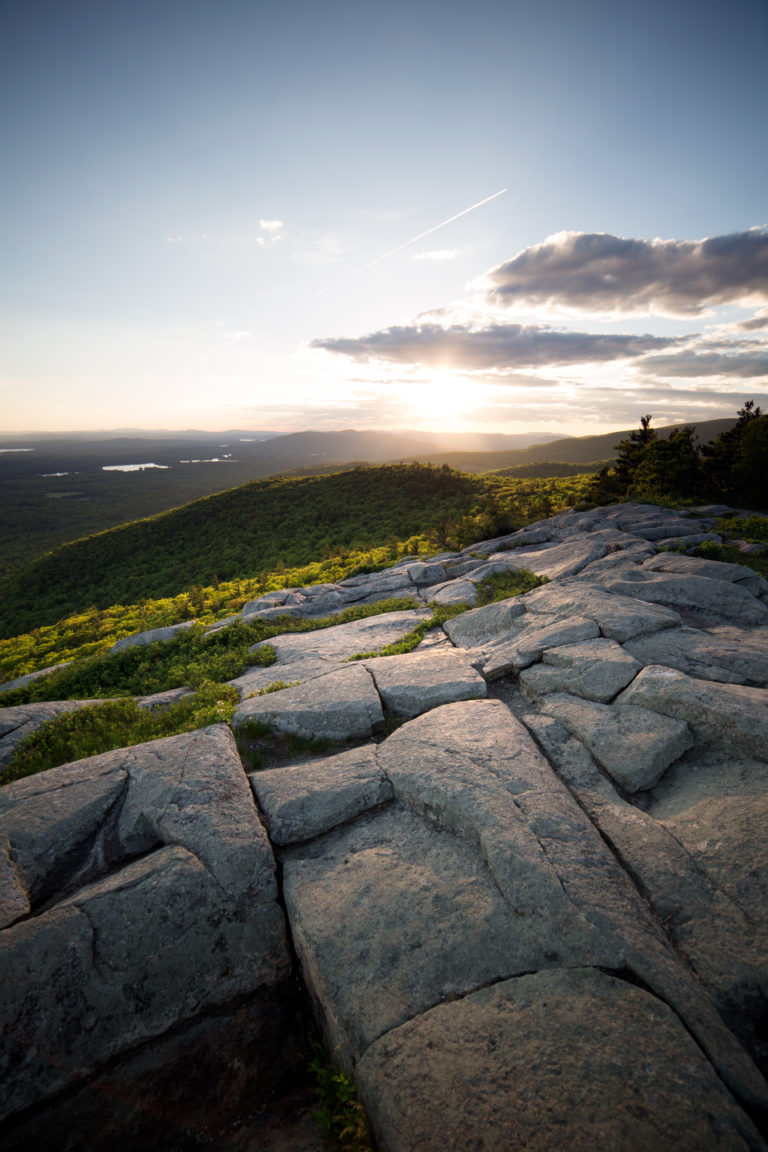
56 489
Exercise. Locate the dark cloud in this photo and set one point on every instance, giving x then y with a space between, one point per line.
755 322
655 391
742 365
498 346
597 272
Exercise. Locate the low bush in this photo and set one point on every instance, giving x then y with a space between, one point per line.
340 1114
116 723
188 660
503 585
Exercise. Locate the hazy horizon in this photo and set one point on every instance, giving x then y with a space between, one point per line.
519 218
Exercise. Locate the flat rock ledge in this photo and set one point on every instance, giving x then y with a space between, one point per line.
524 887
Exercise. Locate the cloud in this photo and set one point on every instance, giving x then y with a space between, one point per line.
498 346
743 365
755 322
270 225
597 272
438 254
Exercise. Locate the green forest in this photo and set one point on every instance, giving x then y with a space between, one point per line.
271 525
205 560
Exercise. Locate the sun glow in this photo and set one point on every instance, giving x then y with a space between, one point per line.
441 400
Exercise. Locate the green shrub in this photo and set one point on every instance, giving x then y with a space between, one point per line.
502 585
753 528
340 1114
711 550
117 723
190 659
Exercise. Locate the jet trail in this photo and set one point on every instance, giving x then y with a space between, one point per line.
399 248
436 228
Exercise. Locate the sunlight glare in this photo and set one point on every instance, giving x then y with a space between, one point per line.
443 400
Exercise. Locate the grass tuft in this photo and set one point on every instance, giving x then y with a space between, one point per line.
112 724
503 585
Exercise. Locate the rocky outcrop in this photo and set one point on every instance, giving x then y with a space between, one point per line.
525 888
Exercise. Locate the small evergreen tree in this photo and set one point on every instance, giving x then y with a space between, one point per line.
721 456
749 474
632 451
669 468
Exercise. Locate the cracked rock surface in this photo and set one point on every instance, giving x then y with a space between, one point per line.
525 889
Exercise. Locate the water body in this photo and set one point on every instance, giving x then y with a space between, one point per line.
130 467
210 460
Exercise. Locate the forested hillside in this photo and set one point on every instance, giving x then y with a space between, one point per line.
267 524
58 489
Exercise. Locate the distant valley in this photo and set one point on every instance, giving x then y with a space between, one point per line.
59 488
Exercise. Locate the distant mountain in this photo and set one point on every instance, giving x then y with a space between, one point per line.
586 450
57 490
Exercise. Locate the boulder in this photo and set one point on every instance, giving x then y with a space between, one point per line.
619 617
702 655
483 869
342 705
689 540
634 745
417 681
485 625
543 1062
23 681
561 560
425 573
594 670
302 801
152 636
727 836
344 640
712 932
52 827
728 716
530 644
152 890
461 591
698 566
121 961
699 594
21 720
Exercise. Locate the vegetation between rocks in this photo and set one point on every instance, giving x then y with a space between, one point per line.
116 723
503 585
188 660
411 640
340 1114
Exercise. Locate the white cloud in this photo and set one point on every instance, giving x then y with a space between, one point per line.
597 272
271 226
495 346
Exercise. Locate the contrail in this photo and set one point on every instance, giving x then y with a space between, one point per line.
414 239
436 228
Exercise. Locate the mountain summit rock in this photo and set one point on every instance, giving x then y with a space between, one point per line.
522 885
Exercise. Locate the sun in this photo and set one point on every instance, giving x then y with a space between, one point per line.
441 400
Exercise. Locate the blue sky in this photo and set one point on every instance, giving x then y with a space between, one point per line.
208 209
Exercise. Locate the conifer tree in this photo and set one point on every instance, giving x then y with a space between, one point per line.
632 451
722 455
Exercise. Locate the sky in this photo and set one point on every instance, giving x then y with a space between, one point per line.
535 215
